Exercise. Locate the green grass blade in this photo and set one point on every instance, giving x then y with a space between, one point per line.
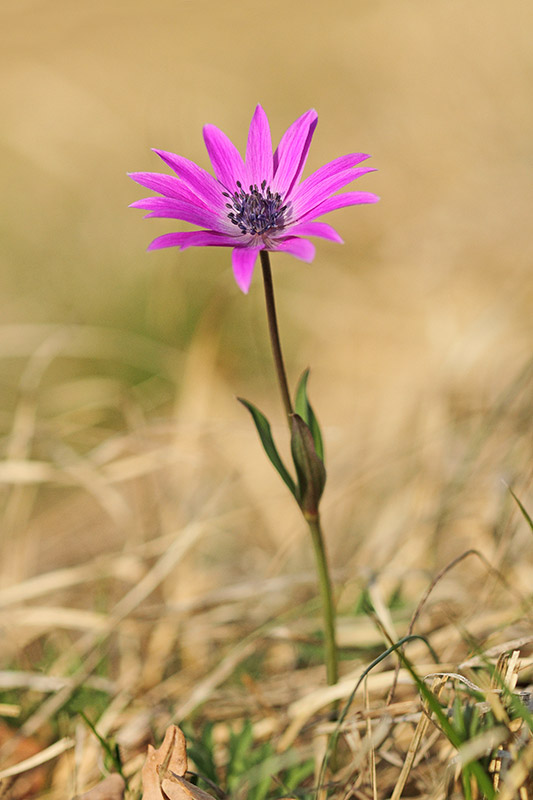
453 735
112 751
201 751
522 509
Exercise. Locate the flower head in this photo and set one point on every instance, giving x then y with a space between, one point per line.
253 204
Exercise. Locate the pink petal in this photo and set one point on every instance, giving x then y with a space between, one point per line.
259 150
168 208
192 239
339 201
331 168
308 195
166 185
243 260
197 178
321 229
301 248
291 154
225 158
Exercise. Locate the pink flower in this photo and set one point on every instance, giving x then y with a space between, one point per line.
255 204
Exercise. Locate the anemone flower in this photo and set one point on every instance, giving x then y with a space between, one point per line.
254 204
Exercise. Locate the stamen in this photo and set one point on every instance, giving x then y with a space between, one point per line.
257 211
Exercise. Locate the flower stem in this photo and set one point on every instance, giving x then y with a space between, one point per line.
274 333
326 594
313 520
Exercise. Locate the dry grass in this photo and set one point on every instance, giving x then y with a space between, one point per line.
152 567
128 592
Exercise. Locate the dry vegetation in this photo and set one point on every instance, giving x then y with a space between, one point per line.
152 568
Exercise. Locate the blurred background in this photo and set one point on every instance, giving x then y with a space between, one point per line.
119 368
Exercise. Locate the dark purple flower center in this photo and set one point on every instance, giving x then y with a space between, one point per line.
256 211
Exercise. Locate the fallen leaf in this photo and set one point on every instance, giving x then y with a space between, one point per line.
167 764
177 788
17 748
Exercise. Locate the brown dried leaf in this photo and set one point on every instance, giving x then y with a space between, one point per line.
16 748
179 789
111 788
166 767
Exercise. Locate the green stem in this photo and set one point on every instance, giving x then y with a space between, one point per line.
274 334
326 594
313 520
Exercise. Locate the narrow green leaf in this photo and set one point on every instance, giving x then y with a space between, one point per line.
265 434
111 749
522 509
303 407
309 466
